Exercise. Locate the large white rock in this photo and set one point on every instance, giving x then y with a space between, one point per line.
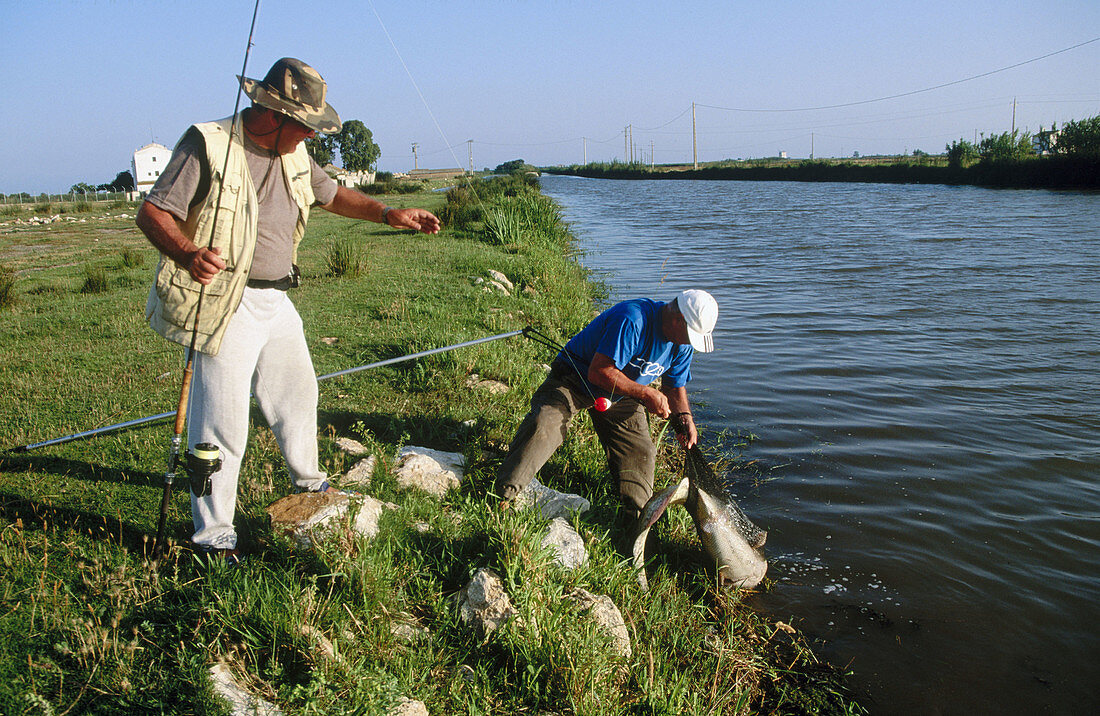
408 707
350 447
311 517
607 616
241 702
568 546
484 603
549 501
430 470
501 279
360 473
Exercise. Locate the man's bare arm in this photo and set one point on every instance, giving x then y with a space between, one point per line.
603 373
357 205
163 232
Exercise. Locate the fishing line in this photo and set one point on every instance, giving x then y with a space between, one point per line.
545 340
424 101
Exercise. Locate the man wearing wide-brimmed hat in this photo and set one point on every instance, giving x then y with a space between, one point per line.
227 215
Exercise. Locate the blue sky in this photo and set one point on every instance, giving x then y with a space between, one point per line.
553 82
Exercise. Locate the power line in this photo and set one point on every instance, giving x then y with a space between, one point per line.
913 92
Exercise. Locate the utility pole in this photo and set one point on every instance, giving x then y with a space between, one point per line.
811 146
651 154
470 151
415 165
1014 115
694 142
626 143
631 128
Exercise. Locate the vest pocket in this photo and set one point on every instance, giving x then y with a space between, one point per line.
179 295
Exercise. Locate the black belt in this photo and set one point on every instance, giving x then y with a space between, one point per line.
281 284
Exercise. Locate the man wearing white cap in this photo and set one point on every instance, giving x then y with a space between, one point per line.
608 369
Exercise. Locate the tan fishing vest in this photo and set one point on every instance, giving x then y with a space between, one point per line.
174 298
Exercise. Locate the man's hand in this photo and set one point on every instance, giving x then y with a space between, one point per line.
656 403
163 231
205 264
416 219
688 436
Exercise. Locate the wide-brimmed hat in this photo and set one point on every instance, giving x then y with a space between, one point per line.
700 312
298 91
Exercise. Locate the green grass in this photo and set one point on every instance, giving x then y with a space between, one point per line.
88 627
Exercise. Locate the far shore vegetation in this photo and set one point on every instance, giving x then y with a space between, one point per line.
1060 158
89 625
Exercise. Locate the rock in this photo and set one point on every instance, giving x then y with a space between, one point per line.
568 546
493 386
408 707
241 703
551 502
408 630
350 447
360 473
500 278
607 616
309 517
430 470
484 603
370 512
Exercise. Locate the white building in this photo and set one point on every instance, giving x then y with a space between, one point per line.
147 164
1044 141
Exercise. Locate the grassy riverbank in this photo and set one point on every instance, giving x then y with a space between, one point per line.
1035 172
87 627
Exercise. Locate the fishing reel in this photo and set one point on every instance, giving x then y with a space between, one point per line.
200 463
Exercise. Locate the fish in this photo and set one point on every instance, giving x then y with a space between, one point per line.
727 534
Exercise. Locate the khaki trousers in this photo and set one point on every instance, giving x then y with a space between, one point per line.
623 430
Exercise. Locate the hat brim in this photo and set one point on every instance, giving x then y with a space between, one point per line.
702 342
324 120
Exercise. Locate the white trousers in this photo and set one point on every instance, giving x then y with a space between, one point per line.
264 352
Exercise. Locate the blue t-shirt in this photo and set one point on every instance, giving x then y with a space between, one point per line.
630 334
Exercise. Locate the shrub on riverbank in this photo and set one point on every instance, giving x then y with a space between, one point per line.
1048 172
86 626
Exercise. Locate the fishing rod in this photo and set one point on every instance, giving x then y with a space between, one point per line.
378 364
208 455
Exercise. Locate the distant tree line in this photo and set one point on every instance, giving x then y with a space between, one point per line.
354 143
1078 139
124 181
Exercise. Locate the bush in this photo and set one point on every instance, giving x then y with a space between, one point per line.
344 258
43 208
961 154
1079 138
1007 146
390 187
132 258
7 286
95 280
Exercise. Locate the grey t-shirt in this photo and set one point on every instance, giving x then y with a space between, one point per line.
185 181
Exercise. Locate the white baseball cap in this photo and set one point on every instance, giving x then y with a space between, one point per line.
700 311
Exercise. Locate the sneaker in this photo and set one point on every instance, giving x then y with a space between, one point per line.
326 487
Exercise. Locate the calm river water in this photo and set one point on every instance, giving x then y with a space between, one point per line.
921 367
